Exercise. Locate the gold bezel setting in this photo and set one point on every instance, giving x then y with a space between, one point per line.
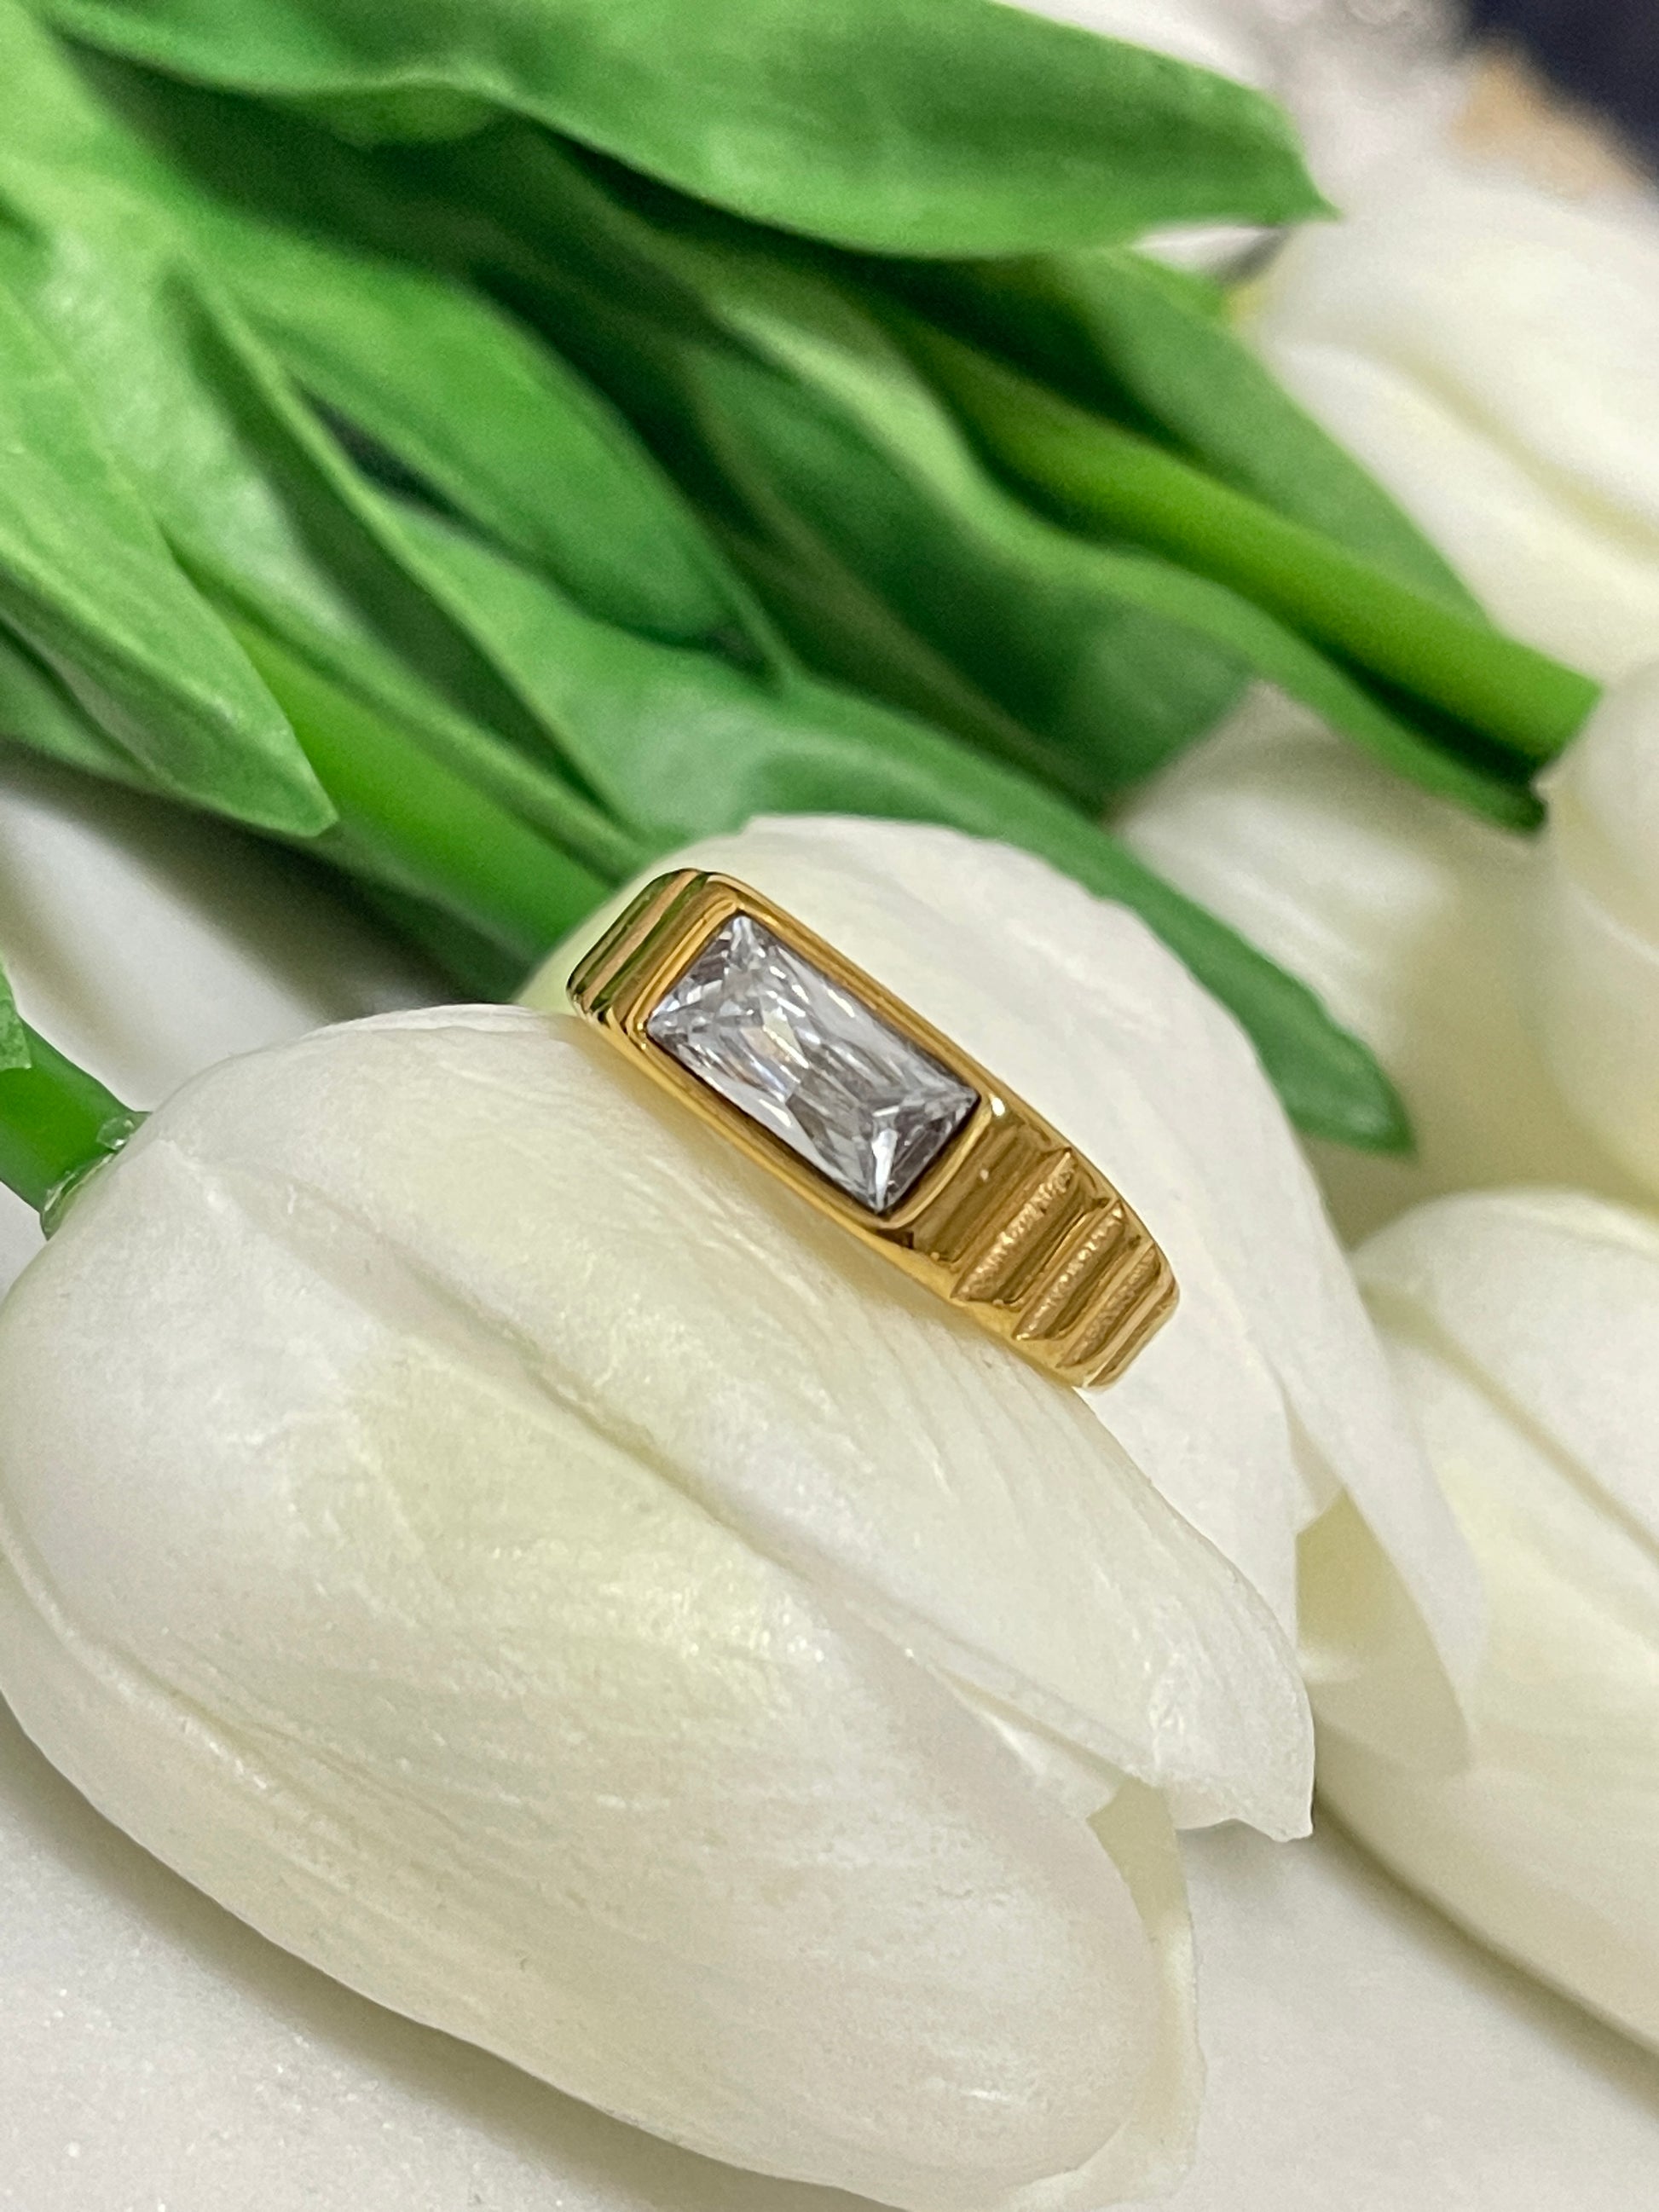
1009 1222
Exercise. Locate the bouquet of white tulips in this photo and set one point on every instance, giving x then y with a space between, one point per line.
510 1545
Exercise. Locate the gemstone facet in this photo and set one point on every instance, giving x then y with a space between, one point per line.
804 1057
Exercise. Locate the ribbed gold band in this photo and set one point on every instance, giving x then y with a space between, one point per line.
1010 1224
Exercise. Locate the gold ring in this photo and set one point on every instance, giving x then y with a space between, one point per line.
812 1069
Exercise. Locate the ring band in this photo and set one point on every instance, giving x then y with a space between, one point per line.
812 1069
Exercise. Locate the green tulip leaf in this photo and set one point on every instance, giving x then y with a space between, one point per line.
245 483
408 822
432 386
241 480
1151 348
1169 622
1108 683
479 967
909 126
14 1037
844 630
501 754
88 580
1474 693
534 791
38 711
803 421
495 425
790 411
1113 657
403 114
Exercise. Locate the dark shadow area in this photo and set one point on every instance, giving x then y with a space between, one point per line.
1603 51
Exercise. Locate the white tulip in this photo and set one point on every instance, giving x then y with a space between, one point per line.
1423 930
1525 1331
1266 1399
487 1533
1489 350
1596 978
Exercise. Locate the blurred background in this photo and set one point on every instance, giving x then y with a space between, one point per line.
1601 51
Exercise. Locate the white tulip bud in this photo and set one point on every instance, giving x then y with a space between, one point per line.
1266 1400
1419 928
1597 979
1524 1327
492 1538
1488 350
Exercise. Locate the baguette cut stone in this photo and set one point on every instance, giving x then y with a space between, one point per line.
804 1057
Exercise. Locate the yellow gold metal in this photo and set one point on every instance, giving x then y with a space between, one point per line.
1010 1224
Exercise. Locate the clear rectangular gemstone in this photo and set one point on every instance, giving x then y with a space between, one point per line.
811 1063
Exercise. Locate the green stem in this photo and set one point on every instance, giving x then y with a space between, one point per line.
1103 478
57 1123
419 826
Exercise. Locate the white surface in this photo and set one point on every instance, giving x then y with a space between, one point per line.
157 2056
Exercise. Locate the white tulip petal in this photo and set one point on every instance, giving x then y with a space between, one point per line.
1413 921
1370 1666
1501 386
1604 800
1544 572
1548 1844
380 1634
1267 1391
1597 986
1552 1299
1153 2150
1528 298
1523 1328
1597 981
843 1421
156 2053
